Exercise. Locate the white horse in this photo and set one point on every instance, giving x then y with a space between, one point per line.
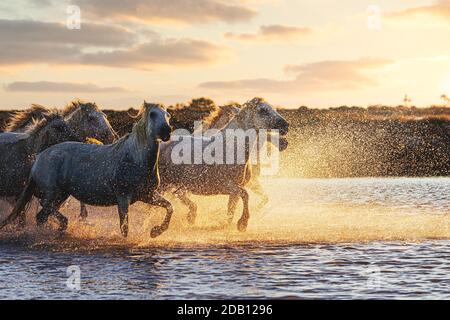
220 178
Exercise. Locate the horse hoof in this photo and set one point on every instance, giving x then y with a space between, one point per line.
41 220
242 225
63 227
124 230
156 231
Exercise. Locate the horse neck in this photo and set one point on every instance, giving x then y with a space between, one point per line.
221 121
235 124
35 141
73 119
143 153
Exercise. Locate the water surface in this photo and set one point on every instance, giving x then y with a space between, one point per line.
317 238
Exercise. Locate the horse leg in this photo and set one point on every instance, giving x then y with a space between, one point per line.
42 215
83 212
51 207
63 221
238 191
258 189
191 205
22 216
157 200
232 203
123 205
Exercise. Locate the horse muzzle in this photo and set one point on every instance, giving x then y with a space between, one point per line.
283 144
166 131
282 126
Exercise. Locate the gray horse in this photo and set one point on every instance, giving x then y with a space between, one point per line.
219 178
85 118
218 121
102 175
18 151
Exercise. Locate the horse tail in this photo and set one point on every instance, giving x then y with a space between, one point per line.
21 204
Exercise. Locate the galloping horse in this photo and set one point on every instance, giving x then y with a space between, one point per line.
218 121
18 151
219 178
102 175
85 118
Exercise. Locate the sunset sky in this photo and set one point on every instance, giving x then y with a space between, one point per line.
318 53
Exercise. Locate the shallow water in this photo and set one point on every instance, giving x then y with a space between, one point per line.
316 238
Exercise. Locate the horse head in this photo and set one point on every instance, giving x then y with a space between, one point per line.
259 115
156 120
90 122
51 130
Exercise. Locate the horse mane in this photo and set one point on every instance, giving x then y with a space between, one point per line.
74 105
38 125
211 120
140 127
213 117
254 102
26 118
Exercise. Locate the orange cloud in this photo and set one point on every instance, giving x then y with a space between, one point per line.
441 10
47 86
322 75
184 11
272 33
33 42
159 53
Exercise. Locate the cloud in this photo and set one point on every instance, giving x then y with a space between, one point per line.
440 9
159 53
90 34
272 33
47 86
31 42
184 11
322 75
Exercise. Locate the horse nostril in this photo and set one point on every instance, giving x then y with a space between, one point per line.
283 126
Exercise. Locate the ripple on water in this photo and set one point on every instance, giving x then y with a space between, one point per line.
339 238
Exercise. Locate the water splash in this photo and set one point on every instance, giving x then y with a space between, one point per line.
299 211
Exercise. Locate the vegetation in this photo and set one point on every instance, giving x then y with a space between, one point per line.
343 141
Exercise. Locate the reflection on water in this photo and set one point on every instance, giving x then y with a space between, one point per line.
337 238
377 270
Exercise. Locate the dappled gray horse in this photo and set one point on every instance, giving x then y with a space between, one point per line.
18 151
85 118
219 178
218 121
102 175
